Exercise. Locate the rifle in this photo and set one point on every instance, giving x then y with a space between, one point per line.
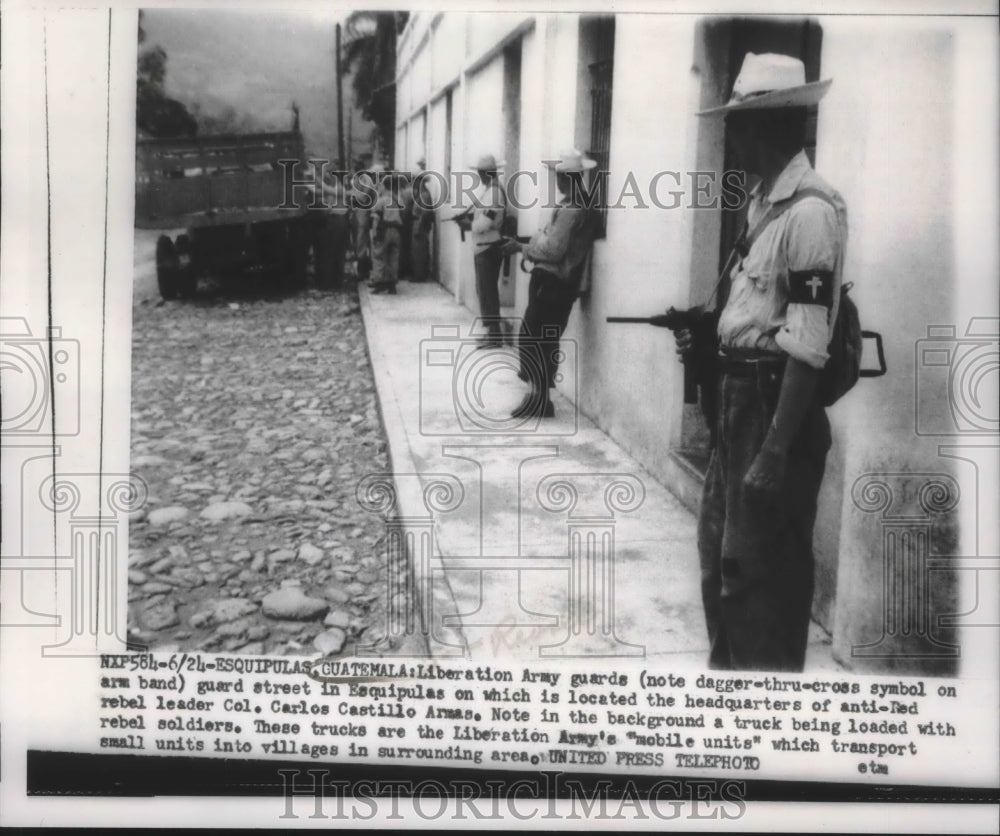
521 239
458 219
698 367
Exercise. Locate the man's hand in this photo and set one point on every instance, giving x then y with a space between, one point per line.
766 474
511 246
685 344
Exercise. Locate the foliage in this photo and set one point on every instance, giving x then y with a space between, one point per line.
156 114
370 56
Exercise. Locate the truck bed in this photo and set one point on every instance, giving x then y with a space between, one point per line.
213 180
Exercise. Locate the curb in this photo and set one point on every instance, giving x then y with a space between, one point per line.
409 498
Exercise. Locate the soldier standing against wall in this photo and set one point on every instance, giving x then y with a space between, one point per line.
758 508
559 251
423 225
332 233
485 220
360 201
386 226
403 184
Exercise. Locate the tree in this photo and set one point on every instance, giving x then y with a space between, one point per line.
156 114
370 55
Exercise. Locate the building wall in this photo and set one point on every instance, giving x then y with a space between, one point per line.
885 138
630 381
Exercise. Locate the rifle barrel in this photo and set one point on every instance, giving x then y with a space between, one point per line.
639 319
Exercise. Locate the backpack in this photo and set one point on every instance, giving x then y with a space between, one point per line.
843 368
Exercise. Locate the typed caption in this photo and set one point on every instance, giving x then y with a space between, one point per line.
536 717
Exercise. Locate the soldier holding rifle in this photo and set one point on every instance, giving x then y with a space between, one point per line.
485 220
386 232
758 509
423 225
766 355
559 252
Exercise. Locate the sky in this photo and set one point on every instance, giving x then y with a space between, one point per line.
257 62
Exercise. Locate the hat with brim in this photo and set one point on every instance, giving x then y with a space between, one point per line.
571 162
487 162
771 81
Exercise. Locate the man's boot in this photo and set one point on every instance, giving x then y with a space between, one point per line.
534 405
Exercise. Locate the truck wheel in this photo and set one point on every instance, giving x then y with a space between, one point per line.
297 255
187 282
167 267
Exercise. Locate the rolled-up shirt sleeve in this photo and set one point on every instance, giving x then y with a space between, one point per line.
486 220
813 244
488 217
549 245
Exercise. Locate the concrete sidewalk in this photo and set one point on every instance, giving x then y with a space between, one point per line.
527 540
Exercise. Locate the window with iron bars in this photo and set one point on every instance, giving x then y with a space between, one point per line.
601 78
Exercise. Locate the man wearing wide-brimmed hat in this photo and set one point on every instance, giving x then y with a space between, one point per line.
386 232
423 225
485 218
759 503
559 253
332 229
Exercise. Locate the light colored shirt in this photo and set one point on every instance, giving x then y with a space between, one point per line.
806 240
487 217
389 208
334 196
563 244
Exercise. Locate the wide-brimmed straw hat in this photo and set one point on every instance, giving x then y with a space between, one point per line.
771 80
573 161
487 162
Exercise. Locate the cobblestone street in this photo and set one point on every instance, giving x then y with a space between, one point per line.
253 420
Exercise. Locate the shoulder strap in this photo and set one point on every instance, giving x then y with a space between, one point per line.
774 211
503 201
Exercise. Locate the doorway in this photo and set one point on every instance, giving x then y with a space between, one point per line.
511 149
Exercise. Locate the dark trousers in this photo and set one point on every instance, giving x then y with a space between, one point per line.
549 304
331 246
487 263
420 253
756 555
385 257
405 240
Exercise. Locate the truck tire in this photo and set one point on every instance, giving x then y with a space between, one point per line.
167 267
187 281
297 255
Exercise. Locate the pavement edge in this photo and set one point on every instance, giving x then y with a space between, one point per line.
411 502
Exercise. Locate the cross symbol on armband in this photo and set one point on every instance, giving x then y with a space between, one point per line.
815 283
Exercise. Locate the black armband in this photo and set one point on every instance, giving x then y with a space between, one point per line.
810 287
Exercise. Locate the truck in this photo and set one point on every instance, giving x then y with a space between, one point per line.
227 192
